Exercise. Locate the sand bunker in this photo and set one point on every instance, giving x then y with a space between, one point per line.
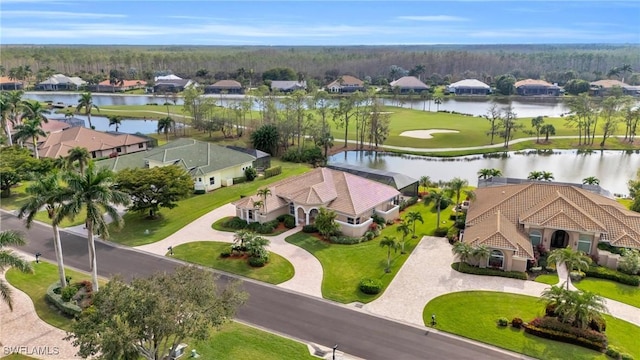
425 134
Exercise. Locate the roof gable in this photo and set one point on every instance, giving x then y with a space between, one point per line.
59 143
409 82
557 211
496 231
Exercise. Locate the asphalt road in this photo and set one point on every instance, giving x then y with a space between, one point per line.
299 316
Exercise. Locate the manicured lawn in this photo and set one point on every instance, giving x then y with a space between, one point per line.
238 341
207 253
625 202
78 220
35 285
18 197
473 314
219 225
610 289
345 265
172 220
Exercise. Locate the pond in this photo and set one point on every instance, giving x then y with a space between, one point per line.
612 168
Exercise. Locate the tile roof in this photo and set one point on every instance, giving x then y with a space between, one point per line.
227 84
497 232
608 83
124 83
59 143
557 206
336 190
288 85
62 79
533 82
346 80
469 83
410 82
7 80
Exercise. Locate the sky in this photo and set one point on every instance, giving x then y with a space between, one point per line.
276 23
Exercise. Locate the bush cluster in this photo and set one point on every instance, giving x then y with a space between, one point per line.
344 240
503 321
309 229
468 269
406 203
239 180
370 286
602 272
250 173
441 232
258 261
235 223
272 171
517 323
288 220
615 353
312 155
453 234
263 228
551 328
67 308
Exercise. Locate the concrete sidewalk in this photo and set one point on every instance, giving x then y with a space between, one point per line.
427 274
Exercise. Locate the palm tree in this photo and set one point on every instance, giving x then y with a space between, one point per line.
547 176
625 68
591 180
165 124
536 123
489 173
115 120
438 197
547 129
47 193
79 154
405 230
9 259
480 252
390 243
258 204
413 217
586 307
437 100
424 182
463 250
30 130
94 192
86 102
34 110
243 236
263 193
535 175
573 260
455 187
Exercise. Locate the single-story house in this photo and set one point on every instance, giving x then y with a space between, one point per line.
469 87
224 87
167 77
354 199
262 161
408 83
406 185
7 83
61 82
99 144
346 84
512 219
176 85
120 86
601 87
532 87
288 86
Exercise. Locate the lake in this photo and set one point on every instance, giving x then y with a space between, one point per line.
613 168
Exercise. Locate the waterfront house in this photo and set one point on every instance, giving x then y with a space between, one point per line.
288 86
469 87
99 144
120 86
8 84
408 83
224 87
532 87
346 84
602 87
61 82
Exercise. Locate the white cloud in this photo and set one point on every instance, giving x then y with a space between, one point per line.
433 18
56 14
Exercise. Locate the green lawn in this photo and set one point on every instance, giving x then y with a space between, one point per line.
606 288
172 220
207 253
18 197
35 285
345 265
473 314
625 202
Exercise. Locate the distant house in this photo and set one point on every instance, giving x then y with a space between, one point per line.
346 84
7 83
167 77
532 87
408 83
262 161
288 86
124 85
469 87
224 87
99 144
602 87
60 82
172 85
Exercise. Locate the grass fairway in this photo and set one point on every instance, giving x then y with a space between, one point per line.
35 285
172 220
237 341
606 288
473 314
345 265
207 253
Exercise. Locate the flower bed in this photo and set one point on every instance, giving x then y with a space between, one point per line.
468 269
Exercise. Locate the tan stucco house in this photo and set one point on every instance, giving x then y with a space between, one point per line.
512 219
99 144
353 198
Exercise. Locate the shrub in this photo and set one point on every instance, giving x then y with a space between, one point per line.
68 292
370 286
379 220
453 233
568 333
239 180
598 324
406 203
344 240
236 223
281 218
630 262
289 222
460 223
54 298
503 321
468 269
441 232
309 229
250 173
225 254
369 235
625 356
272 171
258 261
517 323
576 275
613 352
609 274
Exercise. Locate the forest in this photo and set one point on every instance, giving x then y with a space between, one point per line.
435 64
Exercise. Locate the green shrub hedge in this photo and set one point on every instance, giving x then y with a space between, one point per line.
468 269
258 261
239 180
602 272
67 308
344 240
441 232
551 328
289 221
503 321
236 223
272 171
406 203
309 229
370 286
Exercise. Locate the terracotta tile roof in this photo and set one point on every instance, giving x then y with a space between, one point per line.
497 232
7 80
533 82
608 83
125 83
227 84
54 126
336 190
346 80
59 143
557 206
409 82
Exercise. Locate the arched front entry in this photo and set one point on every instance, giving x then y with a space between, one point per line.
559 239
302 216
312 216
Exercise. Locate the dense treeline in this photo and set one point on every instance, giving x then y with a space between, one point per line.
436 63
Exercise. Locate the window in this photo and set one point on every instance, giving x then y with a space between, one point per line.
357 220
200 180
535 237
250 214
119 150
496 259
584 243
350 220
140 146
212 181
93 154
292 209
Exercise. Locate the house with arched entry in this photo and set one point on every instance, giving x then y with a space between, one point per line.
354 199
513 219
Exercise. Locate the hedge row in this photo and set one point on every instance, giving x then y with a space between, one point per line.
610 274
67 308
468 269
239 180
272 171
550 328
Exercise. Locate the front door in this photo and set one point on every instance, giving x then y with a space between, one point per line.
559 239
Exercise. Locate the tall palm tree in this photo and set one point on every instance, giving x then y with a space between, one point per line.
30 130
86 102
94 192
463 250
390 243
9 259
456 187
438 197
424 182
572 259
11 102
34 110
489 173
591 180
165 125
115 120
437 100
405 230
263 193
47 193
79 154
413 217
